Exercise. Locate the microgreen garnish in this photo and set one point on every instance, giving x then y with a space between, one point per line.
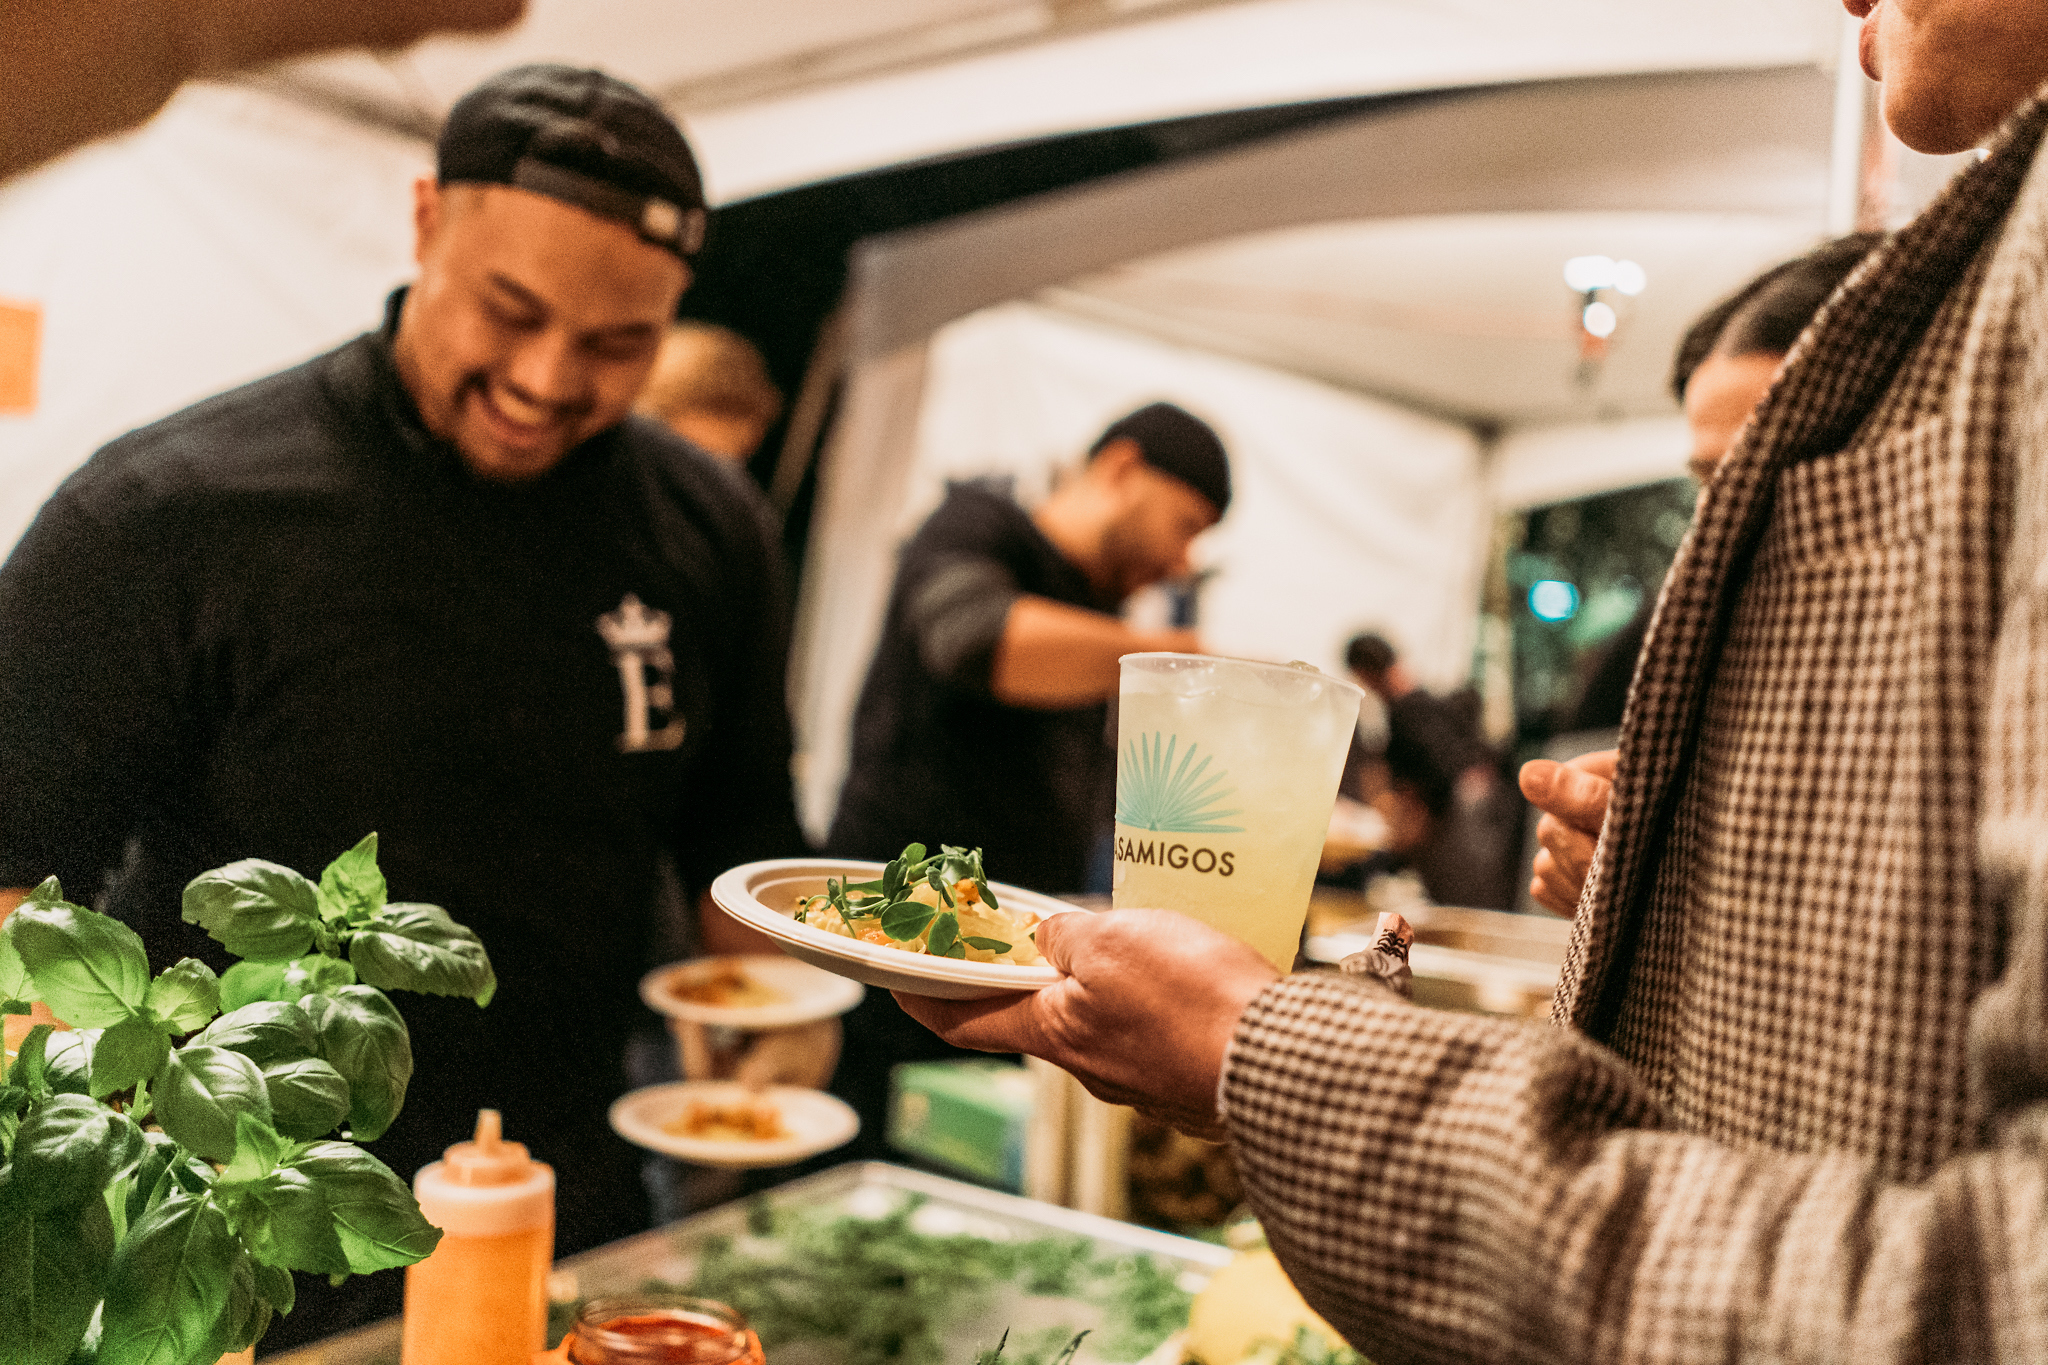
954 875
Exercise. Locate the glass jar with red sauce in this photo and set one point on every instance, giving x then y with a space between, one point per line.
660 1329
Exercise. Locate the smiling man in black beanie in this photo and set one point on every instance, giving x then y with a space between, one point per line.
438 584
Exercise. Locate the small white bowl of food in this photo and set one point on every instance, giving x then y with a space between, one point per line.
723 1123
750 993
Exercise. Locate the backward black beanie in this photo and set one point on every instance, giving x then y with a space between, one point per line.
582 137
1176 442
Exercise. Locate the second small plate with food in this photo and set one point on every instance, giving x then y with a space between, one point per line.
754 992
766 896
722 1123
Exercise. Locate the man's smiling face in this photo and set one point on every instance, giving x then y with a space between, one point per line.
532 326
1952 69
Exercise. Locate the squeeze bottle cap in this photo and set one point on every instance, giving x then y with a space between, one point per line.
487 1159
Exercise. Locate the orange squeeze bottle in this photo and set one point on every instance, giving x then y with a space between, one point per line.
481 1298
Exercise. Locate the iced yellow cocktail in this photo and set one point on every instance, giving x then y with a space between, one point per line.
1226 774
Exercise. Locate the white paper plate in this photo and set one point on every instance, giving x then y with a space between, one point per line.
808 994
764 896
817 1122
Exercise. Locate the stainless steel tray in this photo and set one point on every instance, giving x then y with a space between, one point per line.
871 1189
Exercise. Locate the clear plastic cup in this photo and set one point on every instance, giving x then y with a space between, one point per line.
1226 774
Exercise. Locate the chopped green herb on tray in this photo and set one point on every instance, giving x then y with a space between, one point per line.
876 1291
1050 1347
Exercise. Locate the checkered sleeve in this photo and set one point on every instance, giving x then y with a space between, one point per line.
1447 1187
1451 1188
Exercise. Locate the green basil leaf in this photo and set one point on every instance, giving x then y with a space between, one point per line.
258 1149
274 1283
31 1067
246 982
158 1153
308 1097
67 1060
169 1291
987 945
258 910
945 934
47 892
913 853
13 1099
199 1093
363 1037
184 996
247 1310
419 948
51 1277
125 1053
988 896
906 919
352 888
16 986
285 1221
264 1032
68 1151
375 1216
88 967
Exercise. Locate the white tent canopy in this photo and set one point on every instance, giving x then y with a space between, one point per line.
782 92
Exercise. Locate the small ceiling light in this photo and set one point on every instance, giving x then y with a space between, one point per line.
1599 320
1552 600
1584 274
1630 278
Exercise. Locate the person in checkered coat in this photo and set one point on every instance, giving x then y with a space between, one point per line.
1797 1105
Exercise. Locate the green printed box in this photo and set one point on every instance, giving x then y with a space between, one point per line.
969 1117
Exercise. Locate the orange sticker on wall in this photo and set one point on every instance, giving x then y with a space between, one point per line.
21 339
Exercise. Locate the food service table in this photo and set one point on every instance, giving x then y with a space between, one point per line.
869 1189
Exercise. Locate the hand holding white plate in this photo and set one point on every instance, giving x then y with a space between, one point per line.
765 895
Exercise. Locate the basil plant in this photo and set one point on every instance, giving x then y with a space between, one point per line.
155 1195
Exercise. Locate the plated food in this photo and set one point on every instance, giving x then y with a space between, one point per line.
941 905
725 984
752 1119
723 1123
768 895
749 993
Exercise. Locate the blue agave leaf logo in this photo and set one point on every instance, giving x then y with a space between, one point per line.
1154 793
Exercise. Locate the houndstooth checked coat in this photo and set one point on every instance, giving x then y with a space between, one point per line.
1800 1108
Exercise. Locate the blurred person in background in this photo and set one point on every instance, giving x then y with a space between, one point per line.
439 584
1726 363
710 386
1441 783
984 718
1793 1106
